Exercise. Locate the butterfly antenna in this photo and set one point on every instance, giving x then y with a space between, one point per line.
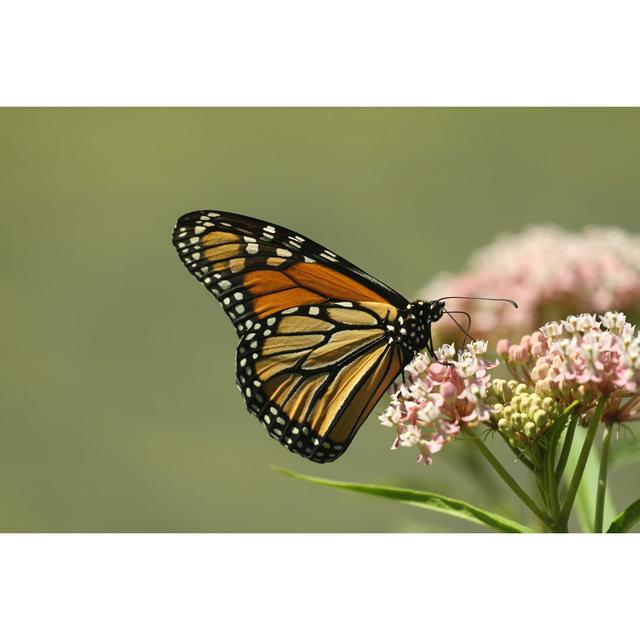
509 300
467 330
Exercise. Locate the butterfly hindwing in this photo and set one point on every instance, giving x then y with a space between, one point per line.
313 375
256 269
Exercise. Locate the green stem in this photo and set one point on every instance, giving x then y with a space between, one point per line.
566 448
550 479
582 460
506 476
602 479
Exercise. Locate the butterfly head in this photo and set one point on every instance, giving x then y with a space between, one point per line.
413 326
434 310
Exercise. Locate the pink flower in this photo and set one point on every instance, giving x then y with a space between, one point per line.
583 358
550 272
439 398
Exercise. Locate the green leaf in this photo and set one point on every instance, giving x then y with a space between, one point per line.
422 499
625 520
585 504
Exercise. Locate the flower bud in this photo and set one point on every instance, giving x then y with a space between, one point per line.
518 353
548 404
499 386
448 390
537 337
502 347
540 418
543 388
537 349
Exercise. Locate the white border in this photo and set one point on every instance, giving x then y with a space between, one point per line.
329 52
317 586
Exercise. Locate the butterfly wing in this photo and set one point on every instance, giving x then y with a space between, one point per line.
314 357
313 375
256 269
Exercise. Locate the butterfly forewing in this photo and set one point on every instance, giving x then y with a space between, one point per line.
256 268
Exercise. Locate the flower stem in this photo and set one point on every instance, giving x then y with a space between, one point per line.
602 479
566 448
549 478
506 476
582 460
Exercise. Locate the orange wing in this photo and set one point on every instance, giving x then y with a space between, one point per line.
256 269
313 375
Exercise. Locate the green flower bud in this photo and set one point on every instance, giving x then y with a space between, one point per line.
507 392
540 418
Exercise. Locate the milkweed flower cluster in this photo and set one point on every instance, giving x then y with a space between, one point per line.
582 358
576 361
438 397
550 272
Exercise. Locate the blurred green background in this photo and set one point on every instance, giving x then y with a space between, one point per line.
119 408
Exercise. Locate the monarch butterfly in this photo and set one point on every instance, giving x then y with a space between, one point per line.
320 339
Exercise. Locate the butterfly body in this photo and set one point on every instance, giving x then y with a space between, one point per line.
320 339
